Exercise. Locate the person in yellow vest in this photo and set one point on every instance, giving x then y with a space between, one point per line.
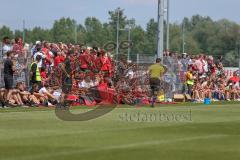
156 72
189 81
35 77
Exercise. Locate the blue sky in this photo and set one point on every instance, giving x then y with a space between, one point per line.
43 12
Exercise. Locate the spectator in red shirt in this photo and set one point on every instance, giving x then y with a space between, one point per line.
106 63
58 59
47 53
18 46
97 62
85 59
43 75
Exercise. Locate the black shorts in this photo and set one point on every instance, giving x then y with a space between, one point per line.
8 80
67 85
154 85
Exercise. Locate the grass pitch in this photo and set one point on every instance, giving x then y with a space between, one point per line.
186 132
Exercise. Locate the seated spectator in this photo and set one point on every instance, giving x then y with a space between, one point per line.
231 92
25 95
86 83
221 91
16 98
40 98
197 92
48 94
207 90
2 91
57 94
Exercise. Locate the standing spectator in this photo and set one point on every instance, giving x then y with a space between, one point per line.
6 46
66 78
35 72
85 60
18 46
39 53
219 60
189 81
9 69
48 54
44 77
205 64
67 73
199 65
184 61
106 64
34 48
156 72
59 58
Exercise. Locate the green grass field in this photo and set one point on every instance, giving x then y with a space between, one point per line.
129 133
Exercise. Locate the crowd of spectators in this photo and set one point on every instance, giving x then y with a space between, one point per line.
204 77
88 75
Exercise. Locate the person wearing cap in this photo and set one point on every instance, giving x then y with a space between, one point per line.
34 47
39 52
156 72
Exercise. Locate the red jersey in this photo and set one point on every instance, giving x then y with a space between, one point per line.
48 56
43 75
98 63
18 48
57 61
106 64
85 60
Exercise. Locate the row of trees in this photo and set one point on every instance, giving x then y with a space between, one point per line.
202 35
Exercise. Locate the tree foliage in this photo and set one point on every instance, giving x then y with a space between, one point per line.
64 30
202 34
5 31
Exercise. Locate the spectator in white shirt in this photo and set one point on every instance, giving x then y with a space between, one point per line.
86 83
6 46
42 56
